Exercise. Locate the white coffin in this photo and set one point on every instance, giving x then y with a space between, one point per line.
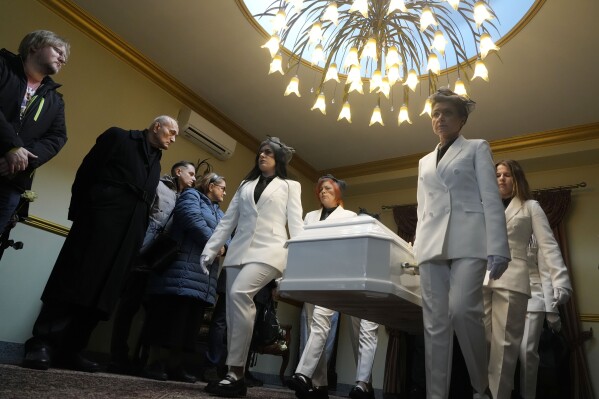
354 265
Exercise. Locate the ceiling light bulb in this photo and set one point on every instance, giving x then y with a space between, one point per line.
411 80
433 64
272 45
439 42
459 88
356 85
385 87
315 34
293 87
276 65
320 104
427 18
361 6
278 22
392 57
370 49
345 112
375 80
486 45
332 73
393 75
354 74
480 71
454 3
376 116
403 115
331 13
352 58
397 5
317 54
481 13
428 107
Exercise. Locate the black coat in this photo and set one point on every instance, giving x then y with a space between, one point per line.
42 130
110 203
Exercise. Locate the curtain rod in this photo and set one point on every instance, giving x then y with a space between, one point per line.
569 187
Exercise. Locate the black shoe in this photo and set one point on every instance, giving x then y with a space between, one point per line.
74 361
233 389
179 374
252 381
155 372
38 358
301 384
358 393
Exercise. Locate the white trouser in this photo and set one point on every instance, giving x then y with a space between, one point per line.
364 338
242 285
529 354
313 363
505 313
452 300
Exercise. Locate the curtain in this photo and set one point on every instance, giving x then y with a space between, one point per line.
396 360
556 204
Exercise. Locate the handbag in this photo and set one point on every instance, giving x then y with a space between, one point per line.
158 255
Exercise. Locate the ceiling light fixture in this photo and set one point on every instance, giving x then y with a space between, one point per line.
385 42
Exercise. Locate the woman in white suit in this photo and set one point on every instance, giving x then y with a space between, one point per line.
460 233
264 203
310 378
506 300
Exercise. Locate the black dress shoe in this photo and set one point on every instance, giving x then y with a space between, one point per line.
232 389
155 372
74 361
301 384
179 374
37 358
358 393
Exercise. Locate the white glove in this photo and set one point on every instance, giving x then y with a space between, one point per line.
497 265
205 261
554 322
561 296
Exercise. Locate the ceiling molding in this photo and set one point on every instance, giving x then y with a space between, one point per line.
534 140
90 26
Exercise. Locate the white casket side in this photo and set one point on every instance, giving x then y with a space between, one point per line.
354 265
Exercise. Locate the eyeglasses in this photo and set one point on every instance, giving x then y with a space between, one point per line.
221 187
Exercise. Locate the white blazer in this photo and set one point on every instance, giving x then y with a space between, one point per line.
460 213
260 236
340 212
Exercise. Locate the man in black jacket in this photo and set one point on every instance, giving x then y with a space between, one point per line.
110 204
32 122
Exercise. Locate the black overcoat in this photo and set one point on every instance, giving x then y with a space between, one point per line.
110 203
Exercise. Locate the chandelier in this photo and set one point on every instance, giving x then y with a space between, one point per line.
392 45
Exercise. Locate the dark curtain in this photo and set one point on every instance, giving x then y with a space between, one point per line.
396 360
556 205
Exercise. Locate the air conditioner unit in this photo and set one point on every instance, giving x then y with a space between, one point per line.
201 132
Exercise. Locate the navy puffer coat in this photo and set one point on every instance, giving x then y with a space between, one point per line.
194 221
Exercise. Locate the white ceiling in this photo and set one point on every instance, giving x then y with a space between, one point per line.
545 79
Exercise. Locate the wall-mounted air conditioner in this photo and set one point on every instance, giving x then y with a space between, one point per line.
201 132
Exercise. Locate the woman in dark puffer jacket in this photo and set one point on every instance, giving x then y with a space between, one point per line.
177 297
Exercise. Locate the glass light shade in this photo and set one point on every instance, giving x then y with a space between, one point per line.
480 71
293 87
397 5
276 65
411 80
393 75
317 54
439 42
385 87
320 104
459 88
354 74
481 13
370 49
272 45
427 18
356 85
315 34
278 22
332 73
345 112
433 64
403 115
376 116
375 81
392 57
331 13
352 58
428 107
454 3
486 45
361 6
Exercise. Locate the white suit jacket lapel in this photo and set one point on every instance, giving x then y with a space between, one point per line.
248 192
451 153
273 186
513 209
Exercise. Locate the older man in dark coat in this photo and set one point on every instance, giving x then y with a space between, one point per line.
111 197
